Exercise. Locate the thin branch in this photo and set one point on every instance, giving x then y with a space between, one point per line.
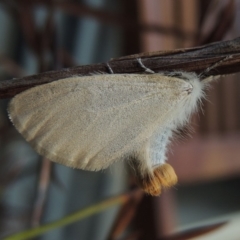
76 216
190 60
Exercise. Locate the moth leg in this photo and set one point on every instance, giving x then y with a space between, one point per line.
148 70
201 75
109 68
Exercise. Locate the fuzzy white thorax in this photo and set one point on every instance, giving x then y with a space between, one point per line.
156 148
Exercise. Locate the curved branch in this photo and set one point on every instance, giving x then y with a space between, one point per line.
195 59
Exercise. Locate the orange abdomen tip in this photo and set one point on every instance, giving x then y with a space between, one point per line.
163 176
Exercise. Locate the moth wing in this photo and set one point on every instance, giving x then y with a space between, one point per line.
90 122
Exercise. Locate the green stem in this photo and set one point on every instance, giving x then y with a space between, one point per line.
83 213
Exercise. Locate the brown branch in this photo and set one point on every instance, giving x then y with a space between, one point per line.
191 60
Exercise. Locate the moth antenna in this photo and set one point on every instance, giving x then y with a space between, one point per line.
163 176
147 70
109 68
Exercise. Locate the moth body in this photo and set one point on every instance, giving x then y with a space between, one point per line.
90 122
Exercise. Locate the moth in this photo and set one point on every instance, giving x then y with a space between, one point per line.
90 122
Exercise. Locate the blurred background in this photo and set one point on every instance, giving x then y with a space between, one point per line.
41 35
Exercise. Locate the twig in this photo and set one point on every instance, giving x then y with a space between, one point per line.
191 60
125 216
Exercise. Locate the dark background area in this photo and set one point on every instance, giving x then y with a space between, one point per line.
38 36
